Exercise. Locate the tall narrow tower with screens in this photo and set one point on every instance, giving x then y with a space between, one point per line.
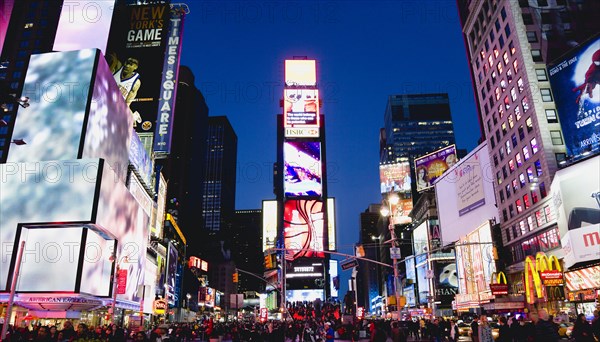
301 187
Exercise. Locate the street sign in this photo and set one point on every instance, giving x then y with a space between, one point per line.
395 253
348 264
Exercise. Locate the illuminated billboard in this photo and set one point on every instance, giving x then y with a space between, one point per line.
303 229
84 24
395 177
422 268
301 73
576 196
136 52
465 195
333 272
445 280
431 166
574 80
302 174
304 295
141 161
171 274
269 224
475 261
305 274
106 132
301 108
331 231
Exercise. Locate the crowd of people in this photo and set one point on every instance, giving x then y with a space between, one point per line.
313 322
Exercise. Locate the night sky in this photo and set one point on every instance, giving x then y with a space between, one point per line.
365 51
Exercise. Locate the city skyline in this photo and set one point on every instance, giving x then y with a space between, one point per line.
248 93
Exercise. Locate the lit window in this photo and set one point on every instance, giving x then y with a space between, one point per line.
540 218
525 104
511 47
530 221
504 129
499 177
501 111
520 85
508 190
505 58
497 91
522 180
28 25
519 207
526 153
501 153
511 165
509 76
534 146
499 67
556 137
513 94
518 113
506 103
511 122
507 144
516 65
529 124
515 185
518 159
546 95
491 60
526 201
541 74
503 85
538 168
494 75
530 174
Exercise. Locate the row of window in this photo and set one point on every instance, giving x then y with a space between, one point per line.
538 219
542 243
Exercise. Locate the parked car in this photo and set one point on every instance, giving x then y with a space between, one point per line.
464 329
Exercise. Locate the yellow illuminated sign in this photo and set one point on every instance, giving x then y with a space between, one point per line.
533 267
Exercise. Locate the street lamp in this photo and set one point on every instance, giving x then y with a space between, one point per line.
113 258
387 210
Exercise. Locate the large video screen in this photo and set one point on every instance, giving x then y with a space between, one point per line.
171 274
55 114
422 281
305 295
395 177
465 195
305 274
475 260
301 107
300 73
302 175
445 281
135 53
84 24
331 228
269 212
577 96
431 166
303 229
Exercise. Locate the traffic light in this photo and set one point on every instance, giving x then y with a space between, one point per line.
235 277
268 262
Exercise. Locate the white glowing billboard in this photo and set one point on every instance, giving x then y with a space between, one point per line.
331 231
84 24
269 224
301 108
465 195
300 73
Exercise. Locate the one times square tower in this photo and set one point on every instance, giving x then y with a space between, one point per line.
301 188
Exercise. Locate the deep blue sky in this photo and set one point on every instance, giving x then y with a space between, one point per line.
366 50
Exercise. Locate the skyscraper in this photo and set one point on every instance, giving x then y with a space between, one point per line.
369 274
509 45
220 174
246 248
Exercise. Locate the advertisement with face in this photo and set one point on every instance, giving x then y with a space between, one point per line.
135 53
302 168
576 197
575 82
446 281
301 107
171 274
431 166
395 177
303 229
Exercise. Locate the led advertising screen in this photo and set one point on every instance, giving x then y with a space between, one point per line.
171 274
24 199
576 92
300 73
576 196
422 281
53 92
301 107
331 231
136 52
445 281
303 229
269 213
395 177
140 160
409 294
304 295
420 239
302 175
161 202
410 268
96 264
474 255
333 272
305 274
431 166
84 24
465 195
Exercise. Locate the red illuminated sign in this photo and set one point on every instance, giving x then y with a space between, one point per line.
552 277
198 263
264 314
121 281
360 312
499 289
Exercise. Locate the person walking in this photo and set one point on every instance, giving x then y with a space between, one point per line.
475 329
596 325
485 330
504 332
582 330
544 329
